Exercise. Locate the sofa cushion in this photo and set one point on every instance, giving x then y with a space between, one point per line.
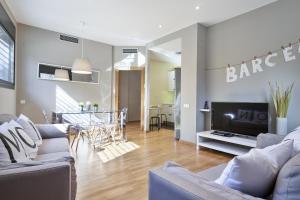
27 143
62 156
288 180
212 173
49 131
11 145
179 183
255 173
30 129
295 135
54 145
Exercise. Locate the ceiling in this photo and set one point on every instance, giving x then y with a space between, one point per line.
126 22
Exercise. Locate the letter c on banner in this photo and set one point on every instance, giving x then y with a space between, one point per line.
268 58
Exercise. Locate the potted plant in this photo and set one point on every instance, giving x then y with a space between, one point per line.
95 107
281 99
81 105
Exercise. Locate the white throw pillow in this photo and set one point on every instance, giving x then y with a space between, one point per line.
11 147
28 144
255 173
30 129
295 136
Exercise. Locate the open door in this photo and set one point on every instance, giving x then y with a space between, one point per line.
119 90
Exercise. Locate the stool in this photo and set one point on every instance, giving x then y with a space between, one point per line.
164 120
157 123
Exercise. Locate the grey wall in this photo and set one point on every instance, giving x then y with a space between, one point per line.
39 45
130 93
8 96
192 77
251 34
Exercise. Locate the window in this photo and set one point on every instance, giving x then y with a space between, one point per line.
7 65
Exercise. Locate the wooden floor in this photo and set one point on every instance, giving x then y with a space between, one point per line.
121 172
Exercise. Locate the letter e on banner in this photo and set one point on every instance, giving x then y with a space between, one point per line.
288 54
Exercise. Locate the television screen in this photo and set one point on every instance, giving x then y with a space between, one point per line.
249 119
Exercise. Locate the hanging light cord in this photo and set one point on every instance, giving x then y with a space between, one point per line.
81 48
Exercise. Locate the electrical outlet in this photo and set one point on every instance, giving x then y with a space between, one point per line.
22 101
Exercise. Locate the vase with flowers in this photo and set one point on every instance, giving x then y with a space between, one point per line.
281 99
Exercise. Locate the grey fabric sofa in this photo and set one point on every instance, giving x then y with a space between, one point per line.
50 176
178 185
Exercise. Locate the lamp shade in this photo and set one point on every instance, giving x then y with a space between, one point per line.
82 66
61 75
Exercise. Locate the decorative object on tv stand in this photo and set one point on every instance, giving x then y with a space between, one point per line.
81 105
82 65
206 107
61 75
281 99
95 107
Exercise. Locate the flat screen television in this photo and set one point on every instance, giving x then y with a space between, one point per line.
249 119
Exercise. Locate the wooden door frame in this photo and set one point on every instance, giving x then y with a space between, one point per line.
117 91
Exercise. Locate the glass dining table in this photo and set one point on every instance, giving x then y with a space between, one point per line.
97 124
84 116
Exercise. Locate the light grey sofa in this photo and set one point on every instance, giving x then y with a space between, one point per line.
181 184
51 176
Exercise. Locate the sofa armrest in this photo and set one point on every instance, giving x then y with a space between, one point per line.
47 182
168 186
268 139
48 131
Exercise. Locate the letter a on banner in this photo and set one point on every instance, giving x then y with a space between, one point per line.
244 70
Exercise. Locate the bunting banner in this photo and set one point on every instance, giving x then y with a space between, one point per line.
258 64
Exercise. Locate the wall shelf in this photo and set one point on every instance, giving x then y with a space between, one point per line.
205 110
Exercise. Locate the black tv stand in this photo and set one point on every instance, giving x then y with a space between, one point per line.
223 133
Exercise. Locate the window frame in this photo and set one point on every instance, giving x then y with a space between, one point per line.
4 83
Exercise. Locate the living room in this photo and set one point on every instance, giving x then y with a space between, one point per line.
65 131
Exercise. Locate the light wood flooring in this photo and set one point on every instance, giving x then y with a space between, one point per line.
121 171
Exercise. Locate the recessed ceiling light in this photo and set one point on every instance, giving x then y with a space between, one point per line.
197 7
160 26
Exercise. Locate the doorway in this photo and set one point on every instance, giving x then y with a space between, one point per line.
129 93
164 95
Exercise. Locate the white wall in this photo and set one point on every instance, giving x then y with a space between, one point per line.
159 83
8 96
256 33
192 78
38 45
